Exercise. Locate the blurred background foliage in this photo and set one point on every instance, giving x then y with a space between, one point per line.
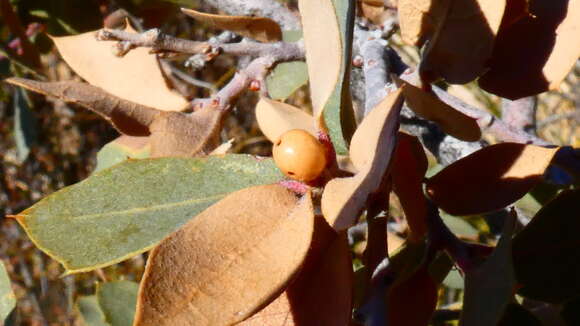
46 144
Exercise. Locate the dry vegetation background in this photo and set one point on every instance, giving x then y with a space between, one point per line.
68 138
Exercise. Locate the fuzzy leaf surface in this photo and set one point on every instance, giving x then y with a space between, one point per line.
449 119
275 118
371 151
550 32
229 261
490 178
136 77
321 292
127 209
461 48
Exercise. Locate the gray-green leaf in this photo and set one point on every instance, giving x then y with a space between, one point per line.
118 301
286 78
90 312
127 209
7 298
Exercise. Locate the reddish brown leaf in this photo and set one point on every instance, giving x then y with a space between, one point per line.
186 134
409 167
135 77
412 301
259 28
129 118
321 294
371 149
540 49
490 178
460 50
225 263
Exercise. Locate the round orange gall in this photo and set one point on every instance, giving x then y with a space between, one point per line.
299 155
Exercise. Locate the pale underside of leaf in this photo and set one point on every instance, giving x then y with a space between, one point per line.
324 50
275 118
129 118
321 294
430 107
136 77
489 179
566 48
127 209
371 150
259 28
489 286
229 261
460 49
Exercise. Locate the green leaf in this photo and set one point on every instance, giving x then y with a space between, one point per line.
338 112
328 27
127 209
7 298
90 311
292 35
114 153
286 78
118 301
489 286
24 125
546 255
454 280
458 225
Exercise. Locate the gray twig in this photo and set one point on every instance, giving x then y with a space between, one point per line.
263 8
520 114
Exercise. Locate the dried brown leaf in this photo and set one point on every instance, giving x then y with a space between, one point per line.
373 11
432 108
460 50
324 49
129 118
224 264
371 150
412 301
408 171
322 291
539 48
421 19
275 118
259 28
186 134
490 178
136 77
